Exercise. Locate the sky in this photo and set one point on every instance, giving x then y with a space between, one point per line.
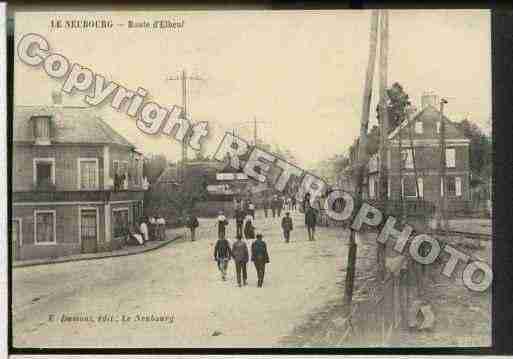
299 73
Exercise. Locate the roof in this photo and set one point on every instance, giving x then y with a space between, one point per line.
428 110
71 124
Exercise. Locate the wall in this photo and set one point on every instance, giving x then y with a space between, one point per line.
66 164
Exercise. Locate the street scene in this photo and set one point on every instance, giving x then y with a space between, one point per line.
335 194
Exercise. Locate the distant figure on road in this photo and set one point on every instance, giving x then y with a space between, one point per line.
222 255
274 205
161 228
143 228
280 205
240 256
310 222
260 258
239 221
306 201
293 203
249 228
192 223
251 209
222 222
152 229
286 225
266 204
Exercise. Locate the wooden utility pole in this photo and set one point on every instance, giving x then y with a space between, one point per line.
442 220
362 152
383 117
185 142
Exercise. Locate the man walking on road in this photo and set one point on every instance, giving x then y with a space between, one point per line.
239 221
265 204
240 256
222 222
286 225
222 254
310 222
249 228
193 223
260 258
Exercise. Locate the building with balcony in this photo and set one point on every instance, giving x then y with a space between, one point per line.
77 184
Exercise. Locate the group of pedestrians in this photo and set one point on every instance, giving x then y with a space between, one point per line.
151 228
277 204
223 253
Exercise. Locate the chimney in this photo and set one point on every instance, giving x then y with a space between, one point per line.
430 99
57 98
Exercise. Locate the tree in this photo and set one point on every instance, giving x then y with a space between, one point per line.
373 140
399 101
480 149
153 166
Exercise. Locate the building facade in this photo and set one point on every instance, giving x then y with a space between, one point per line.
414 151
77 184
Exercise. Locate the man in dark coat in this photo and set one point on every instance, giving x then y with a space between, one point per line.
193 223
249 228
266 204
260 258
286 225
222 222
310 222
239 221
222 254
306 202
240 256
279 206
274 205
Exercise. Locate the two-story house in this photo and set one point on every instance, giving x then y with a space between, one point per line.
65 163
414 147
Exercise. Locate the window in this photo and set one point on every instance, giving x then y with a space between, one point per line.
136 172
44 172
409 187
420 182
454 186
450 157
407 158
42 130
115 167
457 185
438 124
120 222
372 187
418 127
44 229
88 173
88 225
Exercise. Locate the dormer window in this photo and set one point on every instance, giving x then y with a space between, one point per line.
41 129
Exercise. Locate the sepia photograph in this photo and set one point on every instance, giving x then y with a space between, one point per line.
251 179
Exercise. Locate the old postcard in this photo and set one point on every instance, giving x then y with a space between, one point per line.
251 179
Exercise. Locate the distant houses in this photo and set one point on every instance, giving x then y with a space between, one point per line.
77 184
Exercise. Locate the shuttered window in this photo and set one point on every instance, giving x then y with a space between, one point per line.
88 174
450 157
45 227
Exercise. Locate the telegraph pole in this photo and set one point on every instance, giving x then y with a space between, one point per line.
383 116
183 78
362 152
255 124
442 220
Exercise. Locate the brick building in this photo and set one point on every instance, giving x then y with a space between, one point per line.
76 183
419 136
